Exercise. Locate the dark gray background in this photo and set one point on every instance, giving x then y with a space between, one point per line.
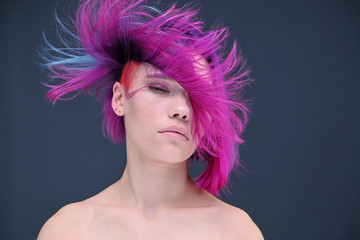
301 144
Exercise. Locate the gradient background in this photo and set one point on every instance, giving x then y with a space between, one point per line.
302 143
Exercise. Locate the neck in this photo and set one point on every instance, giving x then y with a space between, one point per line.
148 184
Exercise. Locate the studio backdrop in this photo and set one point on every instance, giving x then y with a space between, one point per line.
301 148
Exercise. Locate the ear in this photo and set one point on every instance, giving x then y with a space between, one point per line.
117 101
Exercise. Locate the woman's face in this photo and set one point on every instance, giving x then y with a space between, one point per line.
150 111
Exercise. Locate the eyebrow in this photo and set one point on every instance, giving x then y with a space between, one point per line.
159 75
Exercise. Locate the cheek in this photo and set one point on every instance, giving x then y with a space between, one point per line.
142 118
139 109
192 148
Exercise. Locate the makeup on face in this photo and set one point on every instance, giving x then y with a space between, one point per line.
164 86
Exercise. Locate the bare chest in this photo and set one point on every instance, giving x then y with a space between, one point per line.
173 226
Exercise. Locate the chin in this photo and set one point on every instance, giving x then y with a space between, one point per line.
173 159
172 156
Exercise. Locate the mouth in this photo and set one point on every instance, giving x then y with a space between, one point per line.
175 135
176 131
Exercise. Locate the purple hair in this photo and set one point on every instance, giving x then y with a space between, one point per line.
111 33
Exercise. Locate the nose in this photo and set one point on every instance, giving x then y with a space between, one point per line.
180 108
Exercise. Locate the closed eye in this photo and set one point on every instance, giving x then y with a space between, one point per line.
158 89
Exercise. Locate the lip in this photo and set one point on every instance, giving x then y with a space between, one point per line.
176 129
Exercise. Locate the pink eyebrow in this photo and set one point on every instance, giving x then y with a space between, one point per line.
159 75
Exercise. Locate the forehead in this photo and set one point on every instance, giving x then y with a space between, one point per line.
140 73
201 65
145 72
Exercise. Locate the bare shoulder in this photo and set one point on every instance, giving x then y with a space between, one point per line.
239 223
246 228
67 223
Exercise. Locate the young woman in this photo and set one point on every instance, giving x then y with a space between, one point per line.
171 94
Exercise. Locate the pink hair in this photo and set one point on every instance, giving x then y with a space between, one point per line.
110 33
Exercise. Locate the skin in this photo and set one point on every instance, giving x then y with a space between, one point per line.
155 198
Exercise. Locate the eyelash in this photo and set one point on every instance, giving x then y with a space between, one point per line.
158 89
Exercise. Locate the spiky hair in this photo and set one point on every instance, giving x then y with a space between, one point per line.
110 33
